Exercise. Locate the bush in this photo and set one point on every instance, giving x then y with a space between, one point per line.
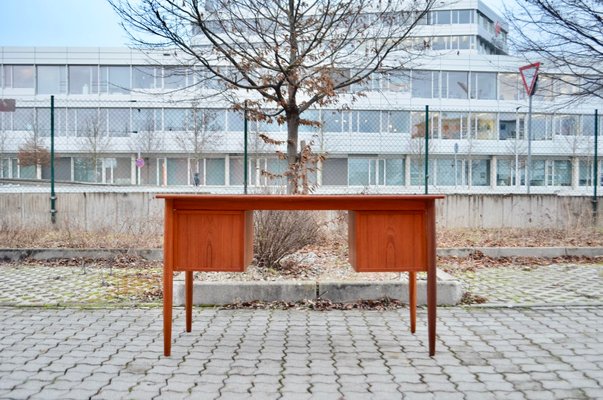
281 233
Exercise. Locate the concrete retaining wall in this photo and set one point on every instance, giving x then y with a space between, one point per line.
133 212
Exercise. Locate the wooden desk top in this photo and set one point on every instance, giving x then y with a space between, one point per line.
299 202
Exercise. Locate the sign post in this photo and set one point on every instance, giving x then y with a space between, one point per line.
529 76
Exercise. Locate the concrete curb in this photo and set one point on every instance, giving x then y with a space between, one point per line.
96 254
157 254
546 252
450 291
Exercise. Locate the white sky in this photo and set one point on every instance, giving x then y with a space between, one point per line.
86 23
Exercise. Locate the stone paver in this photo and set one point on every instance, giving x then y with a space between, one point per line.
99 285
92 284
529 285
523 353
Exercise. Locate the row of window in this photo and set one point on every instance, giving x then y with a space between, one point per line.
357 171
92 79
442 125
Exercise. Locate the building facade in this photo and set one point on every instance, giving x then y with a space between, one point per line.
124 117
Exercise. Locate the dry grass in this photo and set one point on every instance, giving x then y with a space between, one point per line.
503 237
513 237
67 238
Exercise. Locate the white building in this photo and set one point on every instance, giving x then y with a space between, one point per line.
115 106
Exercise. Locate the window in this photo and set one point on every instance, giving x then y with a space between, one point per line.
311 116
146 119
83 79
375 171
366 121
115 79
566 125
174 119
399 81
335 171
484 126
18 76
483 85
118 121
508 87
333 121
462 16
175 77
449 172
559 173
418 124
425 84
417 172
542 126
146 77
394 171
455 125
362 171
480 172
455 85
538 173
544 88
466 42
235 121
87 121
588 125
585 177
23 119
507 172
396 121
207 120
215 171
511 126
51 79
439 42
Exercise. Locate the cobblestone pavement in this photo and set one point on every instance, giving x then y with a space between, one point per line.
483 353
550 284
44 286
63 285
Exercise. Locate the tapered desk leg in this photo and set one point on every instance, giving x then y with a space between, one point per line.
412 300
188 281
168 279
431 309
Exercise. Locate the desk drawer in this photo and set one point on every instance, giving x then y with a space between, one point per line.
388 241
212 240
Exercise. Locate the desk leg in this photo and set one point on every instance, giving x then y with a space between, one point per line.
412 300
188 303
168 278
431 308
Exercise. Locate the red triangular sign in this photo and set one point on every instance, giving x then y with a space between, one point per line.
529 73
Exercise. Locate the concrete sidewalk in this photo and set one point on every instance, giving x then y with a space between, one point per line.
495 353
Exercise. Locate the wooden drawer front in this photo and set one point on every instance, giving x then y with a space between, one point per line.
387 241
212 240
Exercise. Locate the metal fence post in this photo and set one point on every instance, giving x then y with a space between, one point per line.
245 162
596 170
426 149
53 197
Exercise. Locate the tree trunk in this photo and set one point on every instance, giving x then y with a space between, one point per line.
292 156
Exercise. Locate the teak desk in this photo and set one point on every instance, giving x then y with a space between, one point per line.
387 233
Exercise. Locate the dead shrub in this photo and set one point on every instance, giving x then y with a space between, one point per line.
281 233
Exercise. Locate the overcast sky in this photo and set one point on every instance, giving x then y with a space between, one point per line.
89 23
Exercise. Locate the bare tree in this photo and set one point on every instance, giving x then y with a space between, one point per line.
33 151
565 34
3 145
200 136
95 141
146 141
282 55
